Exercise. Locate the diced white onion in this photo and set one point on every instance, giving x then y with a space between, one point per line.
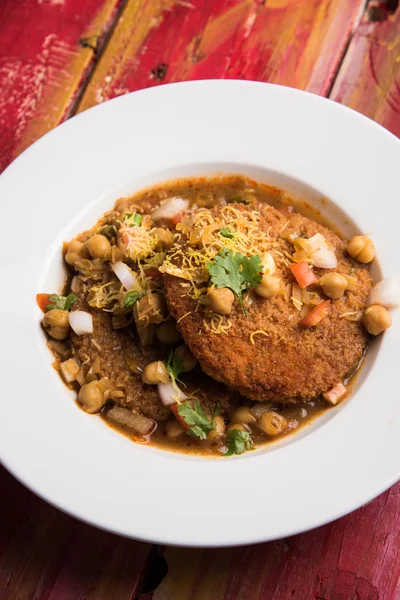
81 322
75 284
386 293
169 394
335 394
170 209
260 408
69 370
322 253
132 419
124 274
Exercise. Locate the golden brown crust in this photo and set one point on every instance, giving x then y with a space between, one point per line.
291 362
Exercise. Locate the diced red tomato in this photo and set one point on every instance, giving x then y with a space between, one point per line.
42 300
174 409
335 394
304 274
316 315
153 272
177 219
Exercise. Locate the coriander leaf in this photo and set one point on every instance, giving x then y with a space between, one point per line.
239 200
174 366
61 302
227 233
196 418
130 299
236 272
238 442
217 410
133 219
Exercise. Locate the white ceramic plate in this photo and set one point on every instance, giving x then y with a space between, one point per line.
336 158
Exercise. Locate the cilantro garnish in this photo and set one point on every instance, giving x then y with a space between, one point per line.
238 442
227 233
196 418
133 218
239 200
236 272
61 302
174 367
130 299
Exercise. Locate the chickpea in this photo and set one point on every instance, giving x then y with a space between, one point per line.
220 300
165 238
242 414
351 282
269 286
219 430
173 429
361 248
188 361
333 285
234 426
154 373
151 309
75 251
376 319
272 423
116 254
167 333
98 246
91 397
56 323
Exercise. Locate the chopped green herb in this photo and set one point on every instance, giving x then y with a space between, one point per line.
217 410
236 272
227 233
196 418
61 302
110 232
239 200
130 299
238 442
133 219
174 367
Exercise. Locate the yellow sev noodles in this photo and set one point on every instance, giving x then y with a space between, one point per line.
205 241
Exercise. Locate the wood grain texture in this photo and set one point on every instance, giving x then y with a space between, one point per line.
354 558
47 555
43 64
292 42
369 79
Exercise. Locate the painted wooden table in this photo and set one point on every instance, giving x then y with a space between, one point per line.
59 57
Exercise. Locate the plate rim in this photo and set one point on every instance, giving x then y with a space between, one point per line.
41 144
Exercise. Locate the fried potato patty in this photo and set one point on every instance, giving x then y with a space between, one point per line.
268 354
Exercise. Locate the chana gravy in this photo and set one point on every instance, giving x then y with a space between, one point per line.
118 345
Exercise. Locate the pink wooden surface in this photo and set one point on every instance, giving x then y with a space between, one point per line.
369 79
43 65
326 46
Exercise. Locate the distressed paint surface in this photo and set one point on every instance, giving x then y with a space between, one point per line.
47 555
369 80
292 42
356 557
43 65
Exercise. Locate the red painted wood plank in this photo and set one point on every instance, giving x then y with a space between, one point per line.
48 555
369 79
357 557
293 42
43 65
